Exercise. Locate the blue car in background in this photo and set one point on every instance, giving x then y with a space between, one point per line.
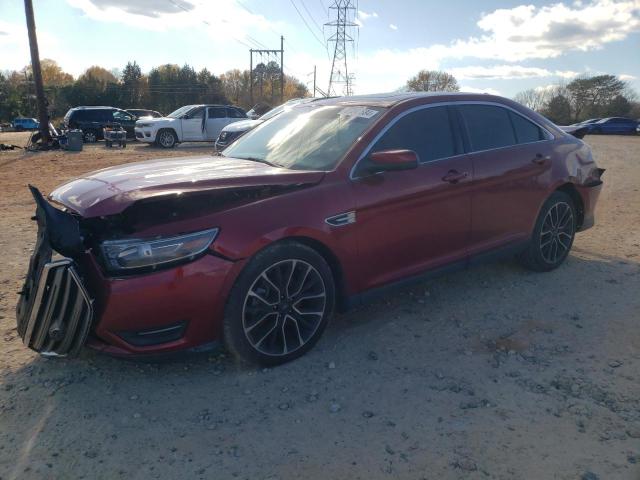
20 124
614 126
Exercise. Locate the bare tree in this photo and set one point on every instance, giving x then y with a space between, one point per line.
432 81
534 98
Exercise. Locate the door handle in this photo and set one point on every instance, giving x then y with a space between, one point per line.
454 176
540 159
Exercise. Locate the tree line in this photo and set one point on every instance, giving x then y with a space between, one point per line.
164 88
583 98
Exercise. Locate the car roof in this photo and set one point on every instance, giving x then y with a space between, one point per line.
97 107
211 105
391 99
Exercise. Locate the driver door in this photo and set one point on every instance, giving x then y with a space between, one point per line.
412 221
193 127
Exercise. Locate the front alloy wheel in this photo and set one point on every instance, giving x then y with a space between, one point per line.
166 139
284 307
280 304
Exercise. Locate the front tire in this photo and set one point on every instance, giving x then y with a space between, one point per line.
279 305
166 138
553 234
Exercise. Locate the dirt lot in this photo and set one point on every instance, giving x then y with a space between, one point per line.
491 373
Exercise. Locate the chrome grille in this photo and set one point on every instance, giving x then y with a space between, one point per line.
61 313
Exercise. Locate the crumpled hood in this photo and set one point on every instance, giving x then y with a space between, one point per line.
111 190
242 125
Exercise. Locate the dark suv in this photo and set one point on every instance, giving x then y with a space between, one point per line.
91 120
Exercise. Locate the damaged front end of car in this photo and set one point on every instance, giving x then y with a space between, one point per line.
136 277
54 311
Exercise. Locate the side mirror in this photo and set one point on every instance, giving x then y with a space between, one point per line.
392 160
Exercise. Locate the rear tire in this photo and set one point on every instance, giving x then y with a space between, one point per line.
553 234
90 136
280 305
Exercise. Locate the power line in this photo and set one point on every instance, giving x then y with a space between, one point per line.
311 16
181 7
306 24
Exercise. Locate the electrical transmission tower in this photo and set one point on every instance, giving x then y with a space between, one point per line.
340 81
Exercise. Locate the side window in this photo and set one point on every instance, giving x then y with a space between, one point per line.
101 115
526 131
196 113
118 115
488 126
234 113
427 132
79 115
217 112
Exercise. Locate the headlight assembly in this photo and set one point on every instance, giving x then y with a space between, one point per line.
132 254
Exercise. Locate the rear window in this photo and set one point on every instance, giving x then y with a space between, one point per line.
526 131
217 112
235 113
488 126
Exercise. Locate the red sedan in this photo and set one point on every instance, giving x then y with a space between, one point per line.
319 208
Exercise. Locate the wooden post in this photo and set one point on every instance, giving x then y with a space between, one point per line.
43 116
281 69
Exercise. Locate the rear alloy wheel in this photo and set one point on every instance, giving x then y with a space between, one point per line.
553 234
167 138
90 136
280 305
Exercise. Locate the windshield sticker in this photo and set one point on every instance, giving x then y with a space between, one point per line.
359 112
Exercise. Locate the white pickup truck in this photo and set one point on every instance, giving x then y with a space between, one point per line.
191 123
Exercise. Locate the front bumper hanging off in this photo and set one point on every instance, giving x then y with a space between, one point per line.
54 312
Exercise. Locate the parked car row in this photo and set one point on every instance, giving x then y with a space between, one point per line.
325 205
609 125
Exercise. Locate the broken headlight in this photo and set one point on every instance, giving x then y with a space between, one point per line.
130 254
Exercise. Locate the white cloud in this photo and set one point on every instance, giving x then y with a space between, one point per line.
527 31
228 22
627 77
490 91
393 27
14 45
507 72
364 15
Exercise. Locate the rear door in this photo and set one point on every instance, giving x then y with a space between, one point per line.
414 220
193 125
511 162
216 121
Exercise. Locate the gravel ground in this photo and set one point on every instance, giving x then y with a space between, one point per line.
494 373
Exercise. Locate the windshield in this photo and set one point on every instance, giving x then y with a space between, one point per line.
181 111
305 138
272 113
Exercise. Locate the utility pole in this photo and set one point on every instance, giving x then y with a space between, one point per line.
339 70
43 117
251 76
314 81
281 68
268 52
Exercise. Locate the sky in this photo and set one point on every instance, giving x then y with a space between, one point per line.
500 47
